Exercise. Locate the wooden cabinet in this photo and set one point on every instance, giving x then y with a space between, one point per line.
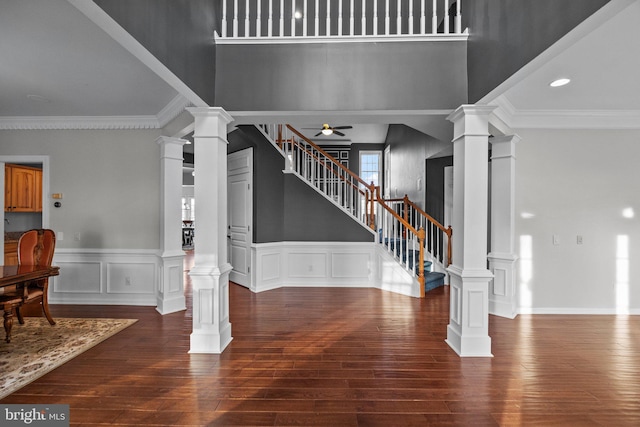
22 189
10 252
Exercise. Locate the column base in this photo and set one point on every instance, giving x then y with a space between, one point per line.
211 327
170 296
468 329
210 342
502 289
468 346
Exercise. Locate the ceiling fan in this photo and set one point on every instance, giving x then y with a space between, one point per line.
329 130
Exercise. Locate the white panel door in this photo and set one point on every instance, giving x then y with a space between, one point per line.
240 217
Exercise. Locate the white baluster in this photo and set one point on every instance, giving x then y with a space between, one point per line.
270 20
293 18
281 22
410 30
434 18
328 18
422 17
364 20
316 23
386 18
351 19
340 17
375 17
458 18
224 18
399 19
246 18
446 16
258 19
235 18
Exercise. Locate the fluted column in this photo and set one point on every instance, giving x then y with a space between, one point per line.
210 273
170 294
468 330
503 257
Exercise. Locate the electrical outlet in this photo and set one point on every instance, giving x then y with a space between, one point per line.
579 240
556 239
127 281
60 235
76 236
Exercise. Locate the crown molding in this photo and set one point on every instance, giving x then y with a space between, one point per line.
172 110
507 115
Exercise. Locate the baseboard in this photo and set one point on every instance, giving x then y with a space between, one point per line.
578 310
110 277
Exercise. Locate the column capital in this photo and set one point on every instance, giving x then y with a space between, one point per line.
170 147
504 146
471 120
170 140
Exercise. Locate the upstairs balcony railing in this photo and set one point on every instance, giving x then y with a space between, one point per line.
289 20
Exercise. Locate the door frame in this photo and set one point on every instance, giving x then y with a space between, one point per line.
248 153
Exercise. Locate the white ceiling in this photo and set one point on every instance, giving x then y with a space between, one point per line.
58 62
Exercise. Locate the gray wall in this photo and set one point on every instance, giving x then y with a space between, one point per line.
507 34
285 208
409 149
177 32
341 76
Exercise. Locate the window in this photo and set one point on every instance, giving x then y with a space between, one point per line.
371 166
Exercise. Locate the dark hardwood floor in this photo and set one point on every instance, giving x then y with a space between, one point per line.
348 357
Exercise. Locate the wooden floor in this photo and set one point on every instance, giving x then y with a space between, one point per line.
349 357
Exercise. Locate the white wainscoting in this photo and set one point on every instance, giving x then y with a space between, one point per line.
87 276
327 264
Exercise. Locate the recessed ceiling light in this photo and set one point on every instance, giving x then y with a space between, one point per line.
559 82
297 14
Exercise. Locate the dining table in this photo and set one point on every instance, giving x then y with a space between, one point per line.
20 274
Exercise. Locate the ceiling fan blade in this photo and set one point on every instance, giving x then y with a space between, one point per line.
343 127
337 132
318 134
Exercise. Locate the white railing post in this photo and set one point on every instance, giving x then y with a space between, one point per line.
270 20
224 18
386 18
235 18
399 19
351 18
375 17
410 30
328 22
293 18
458 18
434 18
446 16
304 19
246 18
340 17
259 19
363 30
316 22
281 22
422 17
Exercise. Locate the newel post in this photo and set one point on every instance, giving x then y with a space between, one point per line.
210 273
468 330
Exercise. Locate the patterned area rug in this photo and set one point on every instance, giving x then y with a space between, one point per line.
37 347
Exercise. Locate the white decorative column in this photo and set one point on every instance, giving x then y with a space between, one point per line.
468 330
502 258
210 273
170 295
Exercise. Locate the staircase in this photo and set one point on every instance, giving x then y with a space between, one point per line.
417 242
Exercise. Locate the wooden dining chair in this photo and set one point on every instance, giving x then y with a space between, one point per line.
35 247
